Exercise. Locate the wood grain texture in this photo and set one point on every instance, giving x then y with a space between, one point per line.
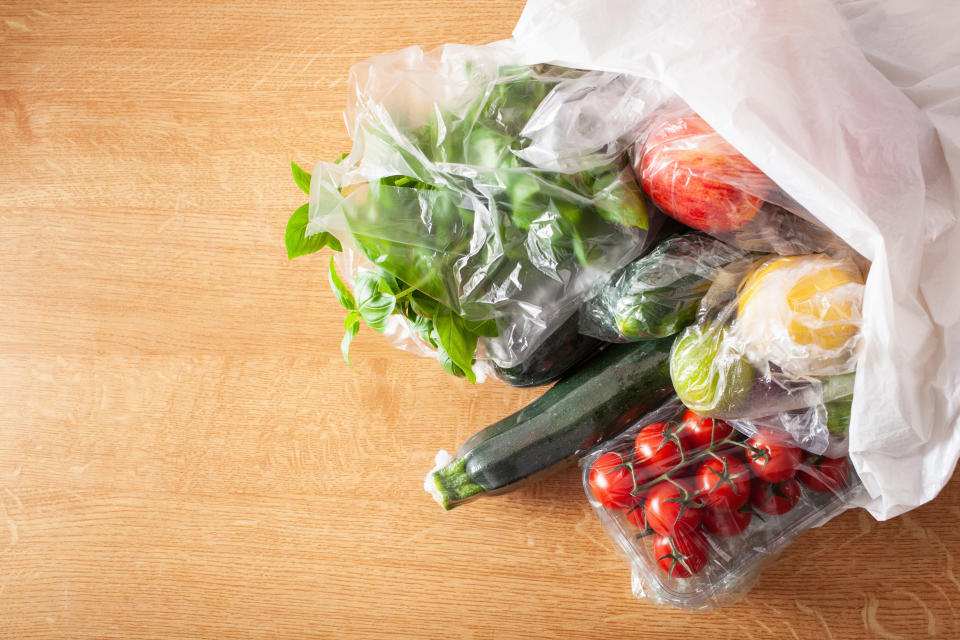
183 453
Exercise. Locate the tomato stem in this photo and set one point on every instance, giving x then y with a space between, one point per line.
709 451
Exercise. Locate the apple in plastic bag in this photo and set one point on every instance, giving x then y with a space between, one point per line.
697 177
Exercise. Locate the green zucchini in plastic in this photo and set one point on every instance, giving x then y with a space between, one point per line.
595 402
563 350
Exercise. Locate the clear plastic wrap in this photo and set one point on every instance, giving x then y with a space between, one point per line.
695 176
439 195
776 342
697 509
658 294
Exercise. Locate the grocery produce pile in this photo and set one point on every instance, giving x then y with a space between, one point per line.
542 225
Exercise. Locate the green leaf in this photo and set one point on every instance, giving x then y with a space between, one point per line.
377 309
620 201
298 244
301 177
348 336
486 328
374 300
406 181
578 248
422 326
458 342
423 305
448 365
340 289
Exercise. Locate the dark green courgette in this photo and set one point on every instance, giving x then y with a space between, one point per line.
560 352
594 403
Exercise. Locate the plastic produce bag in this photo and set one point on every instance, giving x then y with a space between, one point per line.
658 294
697 509
776 340
852 108
695 176
481 252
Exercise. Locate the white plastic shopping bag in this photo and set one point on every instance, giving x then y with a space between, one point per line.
853 108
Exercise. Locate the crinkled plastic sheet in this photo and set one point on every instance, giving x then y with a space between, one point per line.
695 176
733 562
657 295
484 222
776 343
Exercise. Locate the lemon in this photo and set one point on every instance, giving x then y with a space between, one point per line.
802 313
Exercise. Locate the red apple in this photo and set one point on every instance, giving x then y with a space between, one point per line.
697 177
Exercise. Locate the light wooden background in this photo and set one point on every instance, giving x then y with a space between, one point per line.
183 453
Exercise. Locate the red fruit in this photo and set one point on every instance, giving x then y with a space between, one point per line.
775 498
657 449
700 433
696 176
681 556
723 483
671 508
770 457
824 474
611 482
722 522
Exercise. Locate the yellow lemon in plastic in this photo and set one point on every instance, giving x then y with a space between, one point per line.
802 313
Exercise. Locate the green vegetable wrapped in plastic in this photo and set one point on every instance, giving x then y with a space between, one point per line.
775 346
657 295
481 252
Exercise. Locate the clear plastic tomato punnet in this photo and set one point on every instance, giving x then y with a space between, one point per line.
698 510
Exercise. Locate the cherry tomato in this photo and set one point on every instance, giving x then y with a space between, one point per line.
671 508
700 432
775 498
723 483
657 449
824 474
771 458
681 556
611 481
722 522
635 514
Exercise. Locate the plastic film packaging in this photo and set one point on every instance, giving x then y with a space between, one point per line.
776 341
695 176
658 294
439 195
698 510
862 130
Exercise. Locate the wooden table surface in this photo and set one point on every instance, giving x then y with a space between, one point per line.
184 454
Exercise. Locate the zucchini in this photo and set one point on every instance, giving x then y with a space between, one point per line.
594 403
561 351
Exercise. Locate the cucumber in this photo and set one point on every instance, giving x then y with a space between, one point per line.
595 402
561 351
658 294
